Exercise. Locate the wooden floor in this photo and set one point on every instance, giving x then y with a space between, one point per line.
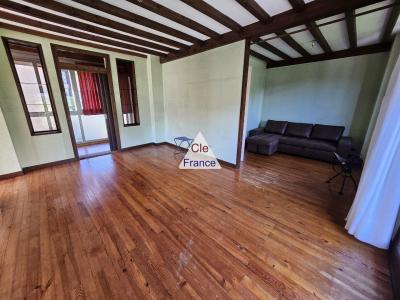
84 150
132 225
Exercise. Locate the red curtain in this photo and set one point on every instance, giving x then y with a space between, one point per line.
125 90
91 93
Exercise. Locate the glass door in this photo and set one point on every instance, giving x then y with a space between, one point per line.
86 104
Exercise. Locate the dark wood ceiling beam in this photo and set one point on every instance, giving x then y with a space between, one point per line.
292 43
319 37
213 13
80 25
351 28
174 16
299 5
74 12
255 9
68 40
138 19
262 57
390 23
272 49
76 34
315 10
383 47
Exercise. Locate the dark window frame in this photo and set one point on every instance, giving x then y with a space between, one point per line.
134 93
6 42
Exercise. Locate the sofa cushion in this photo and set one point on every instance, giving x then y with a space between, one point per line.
321 145
299 129
291 140
327 132
277 127
265 138
308 143
263 143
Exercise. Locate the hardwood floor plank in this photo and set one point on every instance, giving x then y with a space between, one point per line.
133 226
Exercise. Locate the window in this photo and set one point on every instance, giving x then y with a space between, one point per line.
29 70
128 93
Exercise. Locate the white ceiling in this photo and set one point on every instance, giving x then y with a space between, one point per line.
193 14
369 26
369 30
234 10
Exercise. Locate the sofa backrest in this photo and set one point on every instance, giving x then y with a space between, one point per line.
305 130
327 132
277 127
299 129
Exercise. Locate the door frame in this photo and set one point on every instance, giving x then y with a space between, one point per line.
112 122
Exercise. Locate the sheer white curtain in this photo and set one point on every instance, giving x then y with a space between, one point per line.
373 215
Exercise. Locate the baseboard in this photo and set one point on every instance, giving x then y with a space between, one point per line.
137 146
55 163
11 175
163 143
50 164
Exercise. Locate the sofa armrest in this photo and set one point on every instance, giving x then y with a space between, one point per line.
344 146
256 131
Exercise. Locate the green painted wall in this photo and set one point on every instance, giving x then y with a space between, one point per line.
48 148
154 69
394 55
8 157
257 91
334 92
202 93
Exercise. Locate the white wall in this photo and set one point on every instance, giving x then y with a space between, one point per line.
257 89
333 92
202 93
8 158
156 93
35 150
134 135
394 54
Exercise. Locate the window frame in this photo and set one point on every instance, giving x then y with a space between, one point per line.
6 42
135 96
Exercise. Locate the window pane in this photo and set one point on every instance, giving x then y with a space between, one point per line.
127 91
41 123
33 85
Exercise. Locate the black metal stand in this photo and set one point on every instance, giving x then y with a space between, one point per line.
178 143
346 172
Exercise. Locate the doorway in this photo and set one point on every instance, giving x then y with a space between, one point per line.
85 78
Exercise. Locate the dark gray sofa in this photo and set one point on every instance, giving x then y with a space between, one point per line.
313 141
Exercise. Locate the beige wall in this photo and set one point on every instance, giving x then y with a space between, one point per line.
393 56
154 68
334 92
8 158
34 150
257 86
202 93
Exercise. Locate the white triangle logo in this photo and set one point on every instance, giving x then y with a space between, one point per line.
199 155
